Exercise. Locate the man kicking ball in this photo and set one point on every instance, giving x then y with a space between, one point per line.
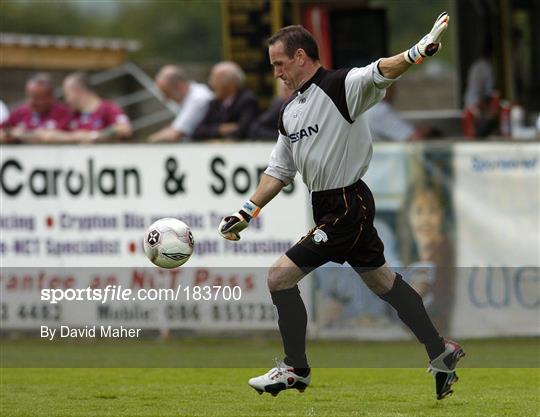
324 136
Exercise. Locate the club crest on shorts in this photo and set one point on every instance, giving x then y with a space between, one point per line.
319 237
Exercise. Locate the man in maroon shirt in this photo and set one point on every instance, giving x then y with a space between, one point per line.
94 119
41 112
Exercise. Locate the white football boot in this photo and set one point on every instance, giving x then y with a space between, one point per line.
280 378
443 368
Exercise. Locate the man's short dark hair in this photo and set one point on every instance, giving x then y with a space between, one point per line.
296 37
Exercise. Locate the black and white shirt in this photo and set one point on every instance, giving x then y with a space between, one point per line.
322 132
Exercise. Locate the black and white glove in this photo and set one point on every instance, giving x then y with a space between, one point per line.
429 44
231 226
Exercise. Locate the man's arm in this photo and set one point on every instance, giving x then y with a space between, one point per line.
118 131
208 128
249 110
167 134
231 226
267 189
111 133
394 66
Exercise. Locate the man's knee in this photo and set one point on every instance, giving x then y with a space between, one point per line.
377 287
279 279
380 281
283 274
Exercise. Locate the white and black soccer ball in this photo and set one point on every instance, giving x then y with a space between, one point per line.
168 243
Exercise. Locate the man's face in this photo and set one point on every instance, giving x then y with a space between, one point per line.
219 83
174 91
72 94
40 97
288 69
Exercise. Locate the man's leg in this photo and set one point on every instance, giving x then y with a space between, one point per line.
294 372
443 355
283 278
390 287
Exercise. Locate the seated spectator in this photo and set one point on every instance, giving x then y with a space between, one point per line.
41 111
191 98
265 127
385 123
234 107
481 114
94 120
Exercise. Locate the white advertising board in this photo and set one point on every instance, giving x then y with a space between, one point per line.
72 208
497 206
89 206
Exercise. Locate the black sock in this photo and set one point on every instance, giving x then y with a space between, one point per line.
412 312
292 321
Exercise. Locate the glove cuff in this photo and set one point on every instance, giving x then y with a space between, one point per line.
413 56
251 209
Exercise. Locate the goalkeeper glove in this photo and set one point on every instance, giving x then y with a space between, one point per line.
429 44
231 226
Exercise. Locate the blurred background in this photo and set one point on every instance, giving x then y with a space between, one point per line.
121 41
116 115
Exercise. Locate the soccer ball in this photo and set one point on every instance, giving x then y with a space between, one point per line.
168 243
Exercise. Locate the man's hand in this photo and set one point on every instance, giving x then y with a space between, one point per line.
231 226
429 44
226 129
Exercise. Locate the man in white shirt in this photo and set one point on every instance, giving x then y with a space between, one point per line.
324 136
4 112
191 98
386 124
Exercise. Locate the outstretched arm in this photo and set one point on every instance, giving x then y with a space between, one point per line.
393 66
396 65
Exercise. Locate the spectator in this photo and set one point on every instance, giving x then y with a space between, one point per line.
95 120
191 98
41 111
481 113
265 127
385 123
234 107
4 112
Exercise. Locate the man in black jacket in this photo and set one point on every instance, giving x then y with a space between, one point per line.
234 107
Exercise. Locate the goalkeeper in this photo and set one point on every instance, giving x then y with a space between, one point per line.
324 136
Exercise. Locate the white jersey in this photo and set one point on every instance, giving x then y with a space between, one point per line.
192 109
322 132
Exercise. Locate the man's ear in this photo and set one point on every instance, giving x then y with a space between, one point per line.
300 56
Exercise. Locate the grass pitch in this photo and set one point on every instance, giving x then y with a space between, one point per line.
335 392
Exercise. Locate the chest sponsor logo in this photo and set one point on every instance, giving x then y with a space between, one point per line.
304 133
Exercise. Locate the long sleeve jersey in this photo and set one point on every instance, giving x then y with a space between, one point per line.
322 131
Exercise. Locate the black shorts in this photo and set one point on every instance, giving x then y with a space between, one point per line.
344 231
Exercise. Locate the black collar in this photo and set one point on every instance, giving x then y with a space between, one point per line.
313 80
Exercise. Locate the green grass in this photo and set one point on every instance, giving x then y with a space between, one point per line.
335 392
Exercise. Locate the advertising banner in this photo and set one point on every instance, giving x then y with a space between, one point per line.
67 210
89 206
459 222
497 204
461 225
411 184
